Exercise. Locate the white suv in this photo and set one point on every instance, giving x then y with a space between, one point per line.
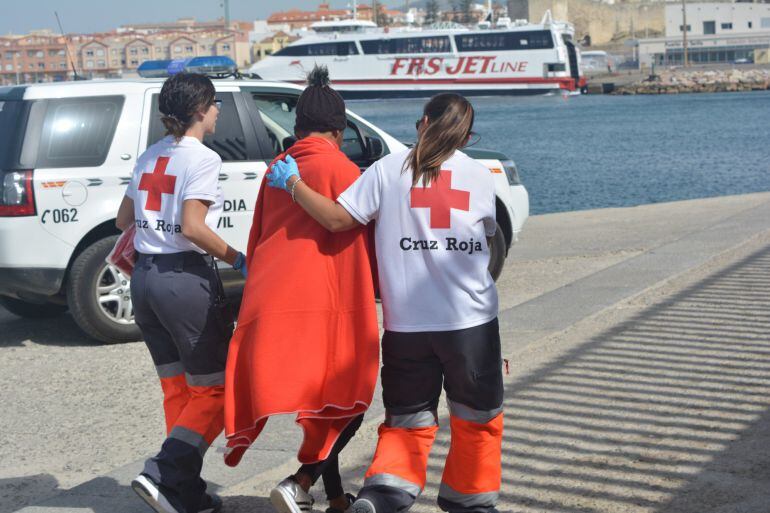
67 151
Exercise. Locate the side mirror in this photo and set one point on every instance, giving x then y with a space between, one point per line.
374 148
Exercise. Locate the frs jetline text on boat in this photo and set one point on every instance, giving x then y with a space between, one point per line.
365 61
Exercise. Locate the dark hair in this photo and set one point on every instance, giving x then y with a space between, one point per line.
319 108
450 121
181 97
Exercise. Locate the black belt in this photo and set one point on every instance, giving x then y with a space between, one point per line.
175 260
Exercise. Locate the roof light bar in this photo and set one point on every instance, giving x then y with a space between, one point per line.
213 65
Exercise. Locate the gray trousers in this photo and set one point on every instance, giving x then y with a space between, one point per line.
174 305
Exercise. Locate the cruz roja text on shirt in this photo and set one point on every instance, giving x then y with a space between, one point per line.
450 244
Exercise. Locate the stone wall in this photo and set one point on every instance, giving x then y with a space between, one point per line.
605 23
708 81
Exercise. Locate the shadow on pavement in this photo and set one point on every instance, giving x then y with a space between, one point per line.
15 492
56 331
99 495
668 412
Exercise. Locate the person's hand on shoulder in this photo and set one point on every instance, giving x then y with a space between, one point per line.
280 173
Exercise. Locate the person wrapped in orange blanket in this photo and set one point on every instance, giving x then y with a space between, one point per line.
307 339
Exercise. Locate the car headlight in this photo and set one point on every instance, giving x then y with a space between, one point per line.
511 172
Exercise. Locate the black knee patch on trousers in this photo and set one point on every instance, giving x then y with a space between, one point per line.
467 362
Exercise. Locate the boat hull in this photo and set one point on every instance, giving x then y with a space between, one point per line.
375 89
374 94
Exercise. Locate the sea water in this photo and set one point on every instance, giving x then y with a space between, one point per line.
595 151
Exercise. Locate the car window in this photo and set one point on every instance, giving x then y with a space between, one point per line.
352 143
12 120
71 132
278 112
228 140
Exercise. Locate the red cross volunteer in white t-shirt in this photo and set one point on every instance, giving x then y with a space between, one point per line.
175 201
433 209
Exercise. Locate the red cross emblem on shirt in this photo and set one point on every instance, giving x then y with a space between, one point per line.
156 184
440 198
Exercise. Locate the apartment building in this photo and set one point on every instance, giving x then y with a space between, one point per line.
42 56
36 57
299 19
118 54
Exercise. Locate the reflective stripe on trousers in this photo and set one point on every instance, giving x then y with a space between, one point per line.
403 454
473 468
416 365
192 402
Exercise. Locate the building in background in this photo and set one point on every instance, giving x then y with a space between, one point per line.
299 19
716 33
42 56
271 44
606 22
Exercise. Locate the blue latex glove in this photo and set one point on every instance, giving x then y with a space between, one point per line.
240 264
281 171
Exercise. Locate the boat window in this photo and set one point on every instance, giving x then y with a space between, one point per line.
519 40
435 44
319 49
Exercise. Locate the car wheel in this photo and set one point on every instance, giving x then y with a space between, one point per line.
497 254
99 296
31 310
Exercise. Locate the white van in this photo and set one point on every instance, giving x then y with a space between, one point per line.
67 151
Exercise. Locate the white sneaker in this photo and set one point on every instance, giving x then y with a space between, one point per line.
362 506
152 495
289 497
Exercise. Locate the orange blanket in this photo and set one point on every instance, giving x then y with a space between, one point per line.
307 335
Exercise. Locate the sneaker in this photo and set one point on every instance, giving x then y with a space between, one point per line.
351 500
289 497
362 506
155 498
211 503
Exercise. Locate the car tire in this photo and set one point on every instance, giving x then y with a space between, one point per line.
497 254
99 296
29 310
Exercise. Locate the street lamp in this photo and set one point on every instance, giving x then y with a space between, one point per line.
684 31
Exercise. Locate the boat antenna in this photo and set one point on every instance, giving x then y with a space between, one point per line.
355 9
67 48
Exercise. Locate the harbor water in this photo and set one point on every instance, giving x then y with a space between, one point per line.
596 151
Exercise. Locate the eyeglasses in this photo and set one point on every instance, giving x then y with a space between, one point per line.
473 139
217 103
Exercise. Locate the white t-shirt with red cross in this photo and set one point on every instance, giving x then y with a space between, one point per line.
432 252
166 175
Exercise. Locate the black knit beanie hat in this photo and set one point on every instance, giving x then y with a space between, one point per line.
320 108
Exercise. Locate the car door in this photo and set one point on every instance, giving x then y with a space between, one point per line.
243 163
273 113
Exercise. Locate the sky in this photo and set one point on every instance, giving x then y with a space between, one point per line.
102 15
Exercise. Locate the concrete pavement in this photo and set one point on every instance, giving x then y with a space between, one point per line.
638 339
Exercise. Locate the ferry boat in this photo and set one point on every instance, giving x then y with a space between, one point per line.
365 61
